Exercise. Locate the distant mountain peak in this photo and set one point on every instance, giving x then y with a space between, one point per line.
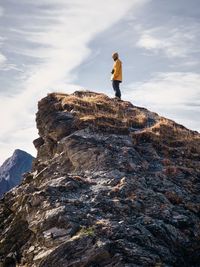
12 169
19 151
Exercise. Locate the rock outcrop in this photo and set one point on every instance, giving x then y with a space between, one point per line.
112 185
12 170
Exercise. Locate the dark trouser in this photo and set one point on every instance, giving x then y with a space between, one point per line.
115 85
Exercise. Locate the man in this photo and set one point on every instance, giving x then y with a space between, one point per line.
116 77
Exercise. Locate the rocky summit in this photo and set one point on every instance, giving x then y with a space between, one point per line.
112 185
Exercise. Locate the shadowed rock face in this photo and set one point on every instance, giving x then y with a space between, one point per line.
12 170
112 185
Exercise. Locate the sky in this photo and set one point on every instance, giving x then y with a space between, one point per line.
66 45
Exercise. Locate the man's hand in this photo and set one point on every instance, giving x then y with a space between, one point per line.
112 71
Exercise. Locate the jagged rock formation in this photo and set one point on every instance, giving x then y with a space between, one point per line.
112 185
12 169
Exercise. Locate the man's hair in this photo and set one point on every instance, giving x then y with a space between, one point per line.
115 55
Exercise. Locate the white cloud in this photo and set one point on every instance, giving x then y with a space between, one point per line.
60 45
171 41
174 88
2 60
20 139
2 57
171 94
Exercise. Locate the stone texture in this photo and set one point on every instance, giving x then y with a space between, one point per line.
112 185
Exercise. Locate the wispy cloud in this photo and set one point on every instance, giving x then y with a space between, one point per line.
2 60
171 94
2 57
173 42
173 88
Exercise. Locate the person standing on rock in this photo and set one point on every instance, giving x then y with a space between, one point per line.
116 77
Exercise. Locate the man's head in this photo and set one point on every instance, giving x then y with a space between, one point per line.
115 56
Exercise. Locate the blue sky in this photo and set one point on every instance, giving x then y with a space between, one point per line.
66 45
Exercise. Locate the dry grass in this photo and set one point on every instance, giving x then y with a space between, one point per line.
174 135
100 111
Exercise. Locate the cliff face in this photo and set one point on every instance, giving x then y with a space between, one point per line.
12 170
112 185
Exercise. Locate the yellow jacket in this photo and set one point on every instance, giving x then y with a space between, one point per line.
117 67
